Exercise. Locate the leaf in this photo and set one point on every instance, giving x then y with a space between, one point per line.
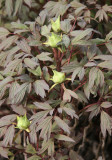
3 152
101 14
45 146
38 117
108 36
34 157
3 32
95 110
76 71
40 86
104 57
87 90
105 123
51 148
68 94
28 2
18 6
106 104
45 30
18 25
66 40
44 106
5 81
19 109
9 7
7 120
23 45
92 76
42 17
106 64
20 93
74 156
6 43
14 65
61 137
36 72
65 26
109 46
33 135
75 4
87 16
62 124
9 135
45 127
70 112
30 63
80 35
56 8
44 56
30 149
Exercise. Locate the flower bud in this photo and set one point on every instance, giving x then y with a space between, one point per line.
56 25
53 40
22 122
58 77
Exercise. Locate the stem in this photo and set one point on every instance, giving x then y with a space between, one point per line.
24 144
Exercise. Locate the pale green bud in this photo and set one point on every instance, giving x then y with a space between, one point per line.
56 25
22 122
58 77
53 40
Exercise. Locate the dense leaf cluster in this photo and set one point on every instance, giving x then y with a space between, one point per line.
55 78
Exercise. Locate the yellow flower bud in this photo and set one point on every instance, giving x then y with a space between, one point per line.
23 123
53 40
56 25
58 77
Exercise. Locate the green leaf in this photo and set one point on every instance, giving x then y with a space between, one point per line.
45 127
104 57
4 152
39 116
30 149
106 64
51 148
5 81
30 63
23 45
36 72
44 56
56 8
40 86
62 124
6 43
108 36
106 104
45 146
3 32
109 47
34 157
65 26
61 137
92 76
18 6
44 106
80 35
9 7
9 135
68 94
105 123
70 112
45 30
19 93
